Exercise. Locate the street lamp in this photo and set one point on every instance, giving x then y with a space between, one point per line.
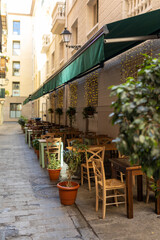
67 37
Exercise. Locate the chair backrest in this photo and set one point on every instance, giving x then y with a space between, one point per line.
71 141
94 153
99 173
103 140
54 146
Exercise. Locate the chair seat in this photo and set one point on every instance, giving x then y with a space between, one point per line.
112 184
85 165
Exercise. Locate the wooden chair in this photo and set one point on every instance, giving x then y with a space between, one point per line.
87 167
54 146
149 183
72 140
104 186
103 140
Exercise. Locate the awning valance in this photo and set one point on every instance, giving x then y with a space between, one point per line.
95 51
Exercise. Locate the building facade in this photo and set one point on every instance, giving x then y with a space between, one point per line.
83 18
19 66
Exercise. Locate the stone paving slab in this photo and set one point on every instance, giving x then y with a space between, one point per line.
29 202
30 208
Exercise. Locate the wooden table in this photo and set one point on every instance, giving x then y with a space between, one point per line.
123 165
108 147
42 145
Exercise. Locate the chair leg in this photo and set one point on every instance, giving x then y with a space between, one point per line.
147 195
104 205
97 199
89 182
115 198
81 175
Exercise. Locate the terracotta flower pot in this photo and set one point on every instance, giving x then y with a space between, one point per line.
37 152
67 194
54 173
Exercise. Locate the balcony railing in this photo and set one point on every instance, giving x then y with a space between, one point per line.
58 17
45 43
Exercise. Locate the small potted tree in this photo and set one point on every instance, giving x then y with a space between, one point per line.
137 112
35 144
50 111
68 189
71 112
88 112
54 167
59 112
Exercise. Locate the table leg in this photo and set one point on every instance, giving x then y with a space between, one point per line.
140 187
42 155
25 135
129 194
157 198
29 140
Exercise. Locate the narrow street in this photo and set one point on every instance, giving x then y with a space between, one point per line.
29 203
30 208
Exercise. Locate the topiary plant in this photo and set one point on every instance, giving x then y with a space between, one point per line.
59 112
137 112
71 112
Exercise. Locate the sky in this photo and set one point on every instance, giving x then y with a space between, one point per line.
19 6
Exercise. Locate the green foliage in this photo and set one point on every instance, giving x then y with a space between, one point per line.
88 111
59 111
50 110
73 160
71 114
137 112
35 144
22 121
54 163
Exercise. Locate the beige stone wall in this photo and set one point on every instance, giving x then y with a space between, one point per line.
25 56
25 59
26 109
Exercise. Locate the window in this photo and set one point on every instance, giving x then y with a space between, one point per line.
15 110
61 51
47 67
16 48
16 68
53 61
16 27
75 33
95 13
15 89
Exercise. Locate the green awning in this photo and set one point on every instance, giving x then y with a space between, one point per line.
26 101
95 51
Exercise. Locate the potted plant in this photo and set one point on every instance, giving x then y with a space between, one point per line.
137 112
35 144
59 112
68 189
88 112
22 121
54 167
71 111
50 110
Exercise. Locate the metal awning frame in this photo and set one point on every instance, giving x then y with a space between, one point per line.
132 39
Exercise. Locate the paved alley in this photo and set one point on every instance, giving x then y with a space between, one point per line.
29 203
30 208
